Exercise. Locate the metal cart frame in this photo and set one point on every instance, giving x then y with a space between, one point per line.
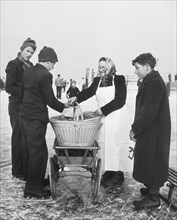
89 161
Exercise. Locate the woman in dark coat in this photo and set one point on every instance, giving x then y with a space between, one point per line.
110 91
151 130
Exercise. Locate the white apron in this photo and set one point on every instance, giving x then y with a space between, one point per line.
113 137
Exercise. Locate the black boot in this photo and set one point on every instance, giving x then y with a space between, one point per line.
106 177
120 176
144 191
37 193
149 201
118 179
55 162
19 176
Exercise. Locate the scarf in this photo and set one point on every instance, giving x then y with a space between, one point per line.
110 71
26 64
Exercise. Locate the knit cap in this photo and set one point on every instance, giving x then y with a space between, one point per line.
47 54
28 43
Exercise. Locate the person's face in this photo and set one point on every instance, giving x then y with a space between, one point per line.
27 53
141 71
74 84
50 65
102 68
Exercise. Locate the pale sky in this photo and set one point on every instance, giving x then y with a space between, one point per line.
82 32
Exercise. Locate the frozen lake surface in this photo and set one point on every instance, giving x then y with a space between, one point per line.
115 203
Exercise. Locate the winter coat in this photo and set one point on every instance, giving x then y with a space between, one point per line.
72 91
37 93
152 127
14 71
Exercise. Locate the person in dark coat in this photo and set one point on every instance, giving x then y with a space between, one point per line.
14 71
73 90
151 130
37 93
110 91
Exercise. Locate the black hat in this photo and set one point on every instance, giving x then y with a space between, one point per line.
47 54
28 43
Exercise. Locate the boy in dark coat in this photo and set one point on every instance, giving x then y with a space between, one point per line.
15 70
151 130
73 90
37 93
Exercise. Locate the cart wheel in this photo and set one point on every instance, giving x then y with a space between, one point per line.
52 177
55 160
93 169
97 179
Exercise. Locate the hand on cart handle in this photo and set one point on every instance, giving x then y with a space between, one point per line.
99 112
72 100
67 105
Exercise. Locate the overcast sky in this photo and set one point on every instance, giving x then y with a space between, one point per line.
82 32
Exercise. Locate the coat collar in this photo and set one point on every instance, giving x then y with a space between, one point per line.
153 74
42 68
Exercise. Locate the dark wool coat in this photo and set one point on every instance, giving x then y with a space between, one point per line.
37 93
14 70
119 98
152 126
72 91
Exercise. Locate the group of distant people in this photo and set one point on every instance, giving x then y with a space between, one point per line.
60 84
30 92
168 85
170 77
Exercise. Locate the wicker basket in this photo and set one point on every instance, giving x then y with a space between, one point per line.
78 132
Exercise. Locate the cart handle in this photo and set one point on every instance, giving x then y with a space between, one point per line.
77 112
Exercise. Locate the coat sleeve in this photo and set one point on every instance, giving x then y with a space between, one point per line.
119 98
12 86
150 108
77 91
89 92
68 91
48 95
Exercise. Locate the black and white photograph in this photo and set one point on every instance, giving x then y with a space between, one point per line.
88 110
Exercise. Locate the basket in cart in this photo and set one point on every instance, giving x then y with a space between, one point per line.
78 132
72 136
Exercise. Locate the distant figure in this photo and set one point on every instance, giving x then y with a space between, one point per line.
70 82
4 82
58 84
84 86
175 77
169 77
168 85
1 84
73 90
64 86
139 83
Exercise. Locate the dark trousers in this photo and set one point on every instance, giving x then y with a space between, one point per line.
153 189
35 153
58 92
16 138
